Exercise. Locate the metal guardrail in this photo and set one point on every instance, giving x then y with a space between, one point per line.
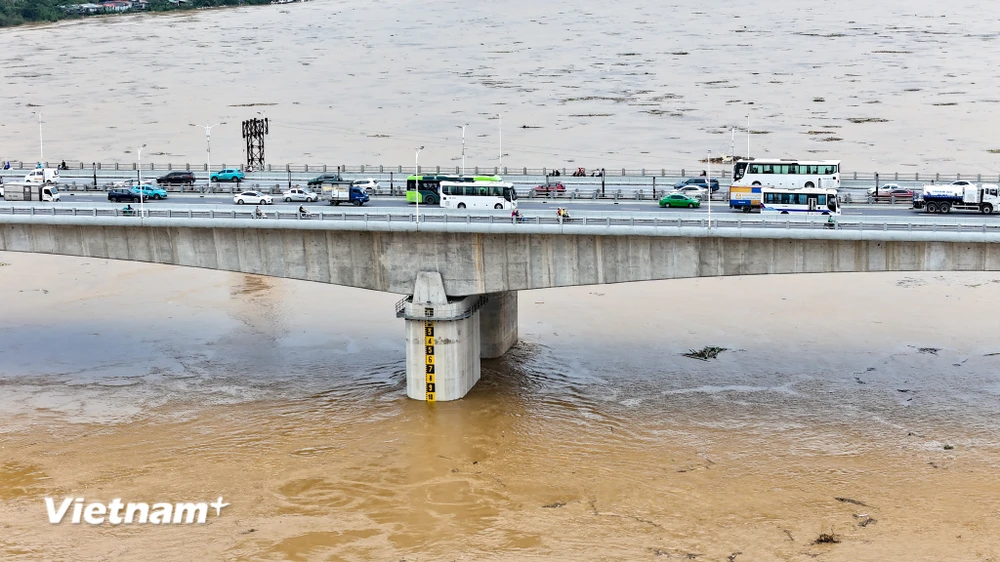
461 315
566 173
607 219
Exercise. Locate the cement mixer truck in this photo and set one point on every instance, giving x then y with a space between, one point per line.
959 195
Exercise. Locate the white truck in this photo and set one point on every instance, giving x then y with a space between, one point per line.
24 191
44 176
959 195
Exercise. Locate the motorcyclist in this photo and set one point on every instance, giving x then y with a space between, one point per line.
128 210
302 210
831 222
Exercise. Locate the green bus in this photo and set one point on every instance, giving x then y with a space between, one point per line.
430 187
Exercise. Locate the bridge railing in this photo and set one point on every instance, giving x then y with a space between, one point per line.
607 219
279 171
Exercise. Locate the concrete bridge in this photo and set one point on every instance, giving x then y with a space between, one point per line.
462 272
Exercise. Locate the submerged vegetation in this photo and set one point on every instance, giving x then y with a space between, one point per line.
17 12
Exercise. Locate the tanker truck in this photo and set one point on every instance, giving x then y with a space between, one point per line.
959 195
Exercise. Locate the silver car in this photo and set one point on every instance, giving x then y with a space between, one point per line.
298 194
693 191
367 184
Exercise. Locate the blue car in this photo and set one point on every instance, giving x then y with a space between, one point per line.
229 174
151 191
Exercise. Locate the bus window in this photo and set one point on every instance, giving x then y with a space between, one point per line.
793 168
755 168
739 170
821 199
767 169
785 198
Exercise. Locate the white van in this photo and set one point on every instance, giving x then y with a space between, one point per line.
46 176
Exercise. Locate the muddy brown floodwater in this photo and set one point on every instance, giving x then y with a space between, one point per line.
890 86
859 409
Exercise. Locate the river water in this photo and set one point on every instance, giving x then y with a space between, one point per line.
891 86
595 438
858 406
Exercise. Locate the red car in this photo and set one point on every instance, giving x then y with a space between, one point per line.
550 188
898 193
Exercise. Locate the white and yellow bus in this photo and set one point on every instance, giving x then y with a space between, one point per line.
787 173
804 201
477 195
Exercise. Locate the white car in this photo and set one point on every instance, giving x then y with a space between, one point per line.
884 189
365 184
252 198
300 195
693 191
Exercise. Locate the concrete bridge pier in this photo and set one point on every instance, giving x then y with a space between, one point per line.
445 337
498 324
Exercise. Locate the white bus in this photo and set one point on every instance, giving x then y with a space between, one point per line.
787 173
477 195
805 201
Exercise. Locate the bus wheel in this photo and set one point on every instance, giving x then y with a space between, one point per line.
430 200
461 205
755 183
932 207
498 206
784 212
987 209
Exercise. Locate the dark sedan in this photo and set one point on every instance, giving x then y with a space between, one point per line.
173 178
699 182
325 178
119 195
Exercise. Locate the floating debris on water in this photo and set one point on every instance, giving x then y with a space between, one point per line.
851 501
705 353
827 538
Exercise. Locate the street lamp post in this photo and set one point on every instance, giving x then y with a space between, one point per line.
500 117
142 194
708 180
208 152
416 181
263 115
463 146
41 146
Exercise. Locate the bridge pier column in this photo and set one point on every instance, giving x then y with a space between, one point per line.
498 324
442 341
